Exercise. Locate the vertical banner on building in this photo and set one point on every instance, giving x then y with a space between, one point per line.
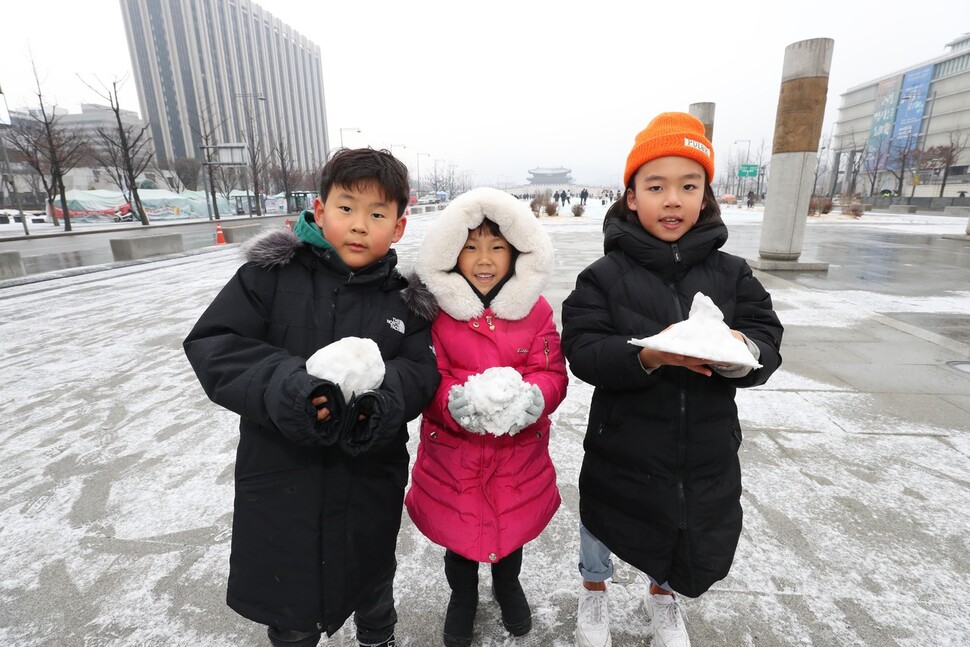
909 113
880 134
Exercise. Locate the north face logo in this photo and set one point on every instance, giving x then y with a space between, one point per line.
396 324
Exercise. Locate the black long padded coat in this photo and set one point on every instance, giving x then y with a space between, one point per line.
660 483
313 526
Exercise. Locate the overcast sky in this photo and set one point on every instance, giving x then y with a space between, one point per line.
499 88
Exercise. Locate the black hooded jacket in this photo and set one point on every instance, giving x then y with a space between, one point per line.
661 483
317 505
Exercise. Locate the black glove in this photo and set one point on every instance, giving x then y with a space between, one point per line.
327 432
360 436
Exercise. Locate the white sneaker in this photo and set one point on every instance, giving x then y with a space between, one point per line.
593 621
667 617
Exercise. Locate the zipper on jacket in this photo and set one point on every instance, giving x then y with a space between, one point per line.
681 456
676 251
545 351
488 320
682 423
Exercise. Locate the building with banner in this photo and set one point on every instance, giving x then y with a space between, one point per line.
907 134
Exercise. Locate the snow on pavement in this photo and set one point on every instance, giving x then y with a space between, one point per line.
116 486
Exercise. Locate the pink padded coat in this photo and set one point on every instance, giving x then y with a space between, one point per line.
480 495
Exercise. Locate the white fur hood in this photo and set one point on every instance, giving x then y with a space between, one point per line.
446 237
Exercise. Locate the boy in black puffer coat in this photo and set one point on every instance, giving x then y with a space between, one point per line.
319 479
660 485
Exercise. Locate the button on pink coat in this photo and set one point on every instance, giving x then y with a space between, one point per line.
481 495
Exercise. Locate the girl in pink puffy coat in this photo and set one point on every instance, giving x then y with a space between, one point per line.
483 484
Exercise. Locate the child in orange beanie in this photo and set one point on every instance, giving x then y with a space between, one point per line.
660 485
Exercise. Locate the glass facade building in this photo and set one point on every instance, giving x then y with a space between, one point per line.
901 118
225 72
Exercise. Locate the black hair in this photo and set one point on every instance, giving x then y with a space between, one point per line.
358 167
710 212
489 227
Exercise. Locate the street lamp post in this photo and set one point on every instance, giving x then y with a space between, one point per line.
437 178
6 171
418 158
399 146
354 128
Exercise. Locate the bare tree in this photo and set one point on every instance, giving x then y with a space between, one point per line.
944 157
259 160
170 178
902 157
821 168
207 134
224 179
763 155
852 169
125 150
283 172
310 181
50 149
872 160
186 169
731 182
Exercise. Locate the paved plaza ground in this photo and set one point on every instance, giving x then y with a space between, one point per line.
116 471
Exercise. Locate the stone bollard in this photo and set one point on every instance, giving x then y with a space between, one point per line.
704 112
11 265
240 233
798 126
136 247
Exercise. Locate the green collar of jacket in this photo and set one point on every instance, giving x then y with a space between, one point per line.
307 230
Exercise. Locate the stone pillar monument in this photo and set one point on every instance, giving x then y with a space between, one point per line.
798 126
704 112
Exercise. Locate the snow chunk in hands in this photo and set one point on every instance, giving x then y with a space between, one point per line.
353 363
703 334
500 397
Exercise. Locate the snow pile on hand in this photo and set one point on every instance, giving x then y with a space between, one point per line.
500 397
704 335
353 363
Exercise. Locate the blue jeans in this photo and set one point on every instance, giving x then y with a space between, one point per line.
375 622
595 564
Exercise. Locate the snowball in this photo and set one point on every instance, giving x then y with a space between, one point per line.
353 363
704 334
500 397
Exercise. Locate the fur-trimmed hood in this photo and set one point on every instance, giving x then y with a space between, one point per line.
444 241
274 247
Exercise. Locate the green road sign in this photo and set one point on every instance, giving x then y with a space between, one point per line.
748 170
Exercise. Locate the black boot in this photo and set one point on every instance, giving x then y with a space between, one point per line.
516 614
462 576
387 643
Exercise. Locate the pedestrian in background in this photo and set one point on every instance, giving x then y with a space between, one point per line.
660 485
319 479
483 488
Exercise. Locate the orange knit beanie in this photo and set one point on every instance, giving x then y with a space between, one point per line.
671 133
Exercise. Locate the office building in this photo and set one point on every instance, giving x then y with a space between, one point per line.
904 120
217 72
